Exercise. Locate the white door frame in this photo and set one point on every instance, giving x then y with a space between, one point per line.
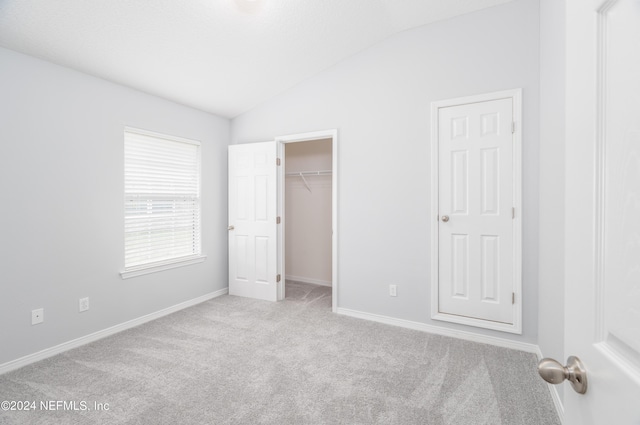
516 95
307 137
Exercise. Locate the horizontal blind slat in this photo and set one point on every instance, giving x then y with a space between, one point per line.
161 250
158 227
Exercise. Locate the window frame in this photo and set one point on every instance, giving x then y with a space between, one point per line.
168 263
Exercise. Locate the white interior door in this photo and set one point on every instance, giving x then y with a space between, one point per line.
603 209
477 256
253 250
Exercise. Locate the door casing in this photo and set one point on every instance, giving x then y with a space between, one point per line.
307 137
516 96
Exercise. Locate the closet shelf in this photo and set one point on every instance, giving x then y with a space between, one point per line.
309 173
301 174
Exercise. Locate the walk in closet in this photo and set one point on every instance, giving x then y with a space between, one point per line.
308 197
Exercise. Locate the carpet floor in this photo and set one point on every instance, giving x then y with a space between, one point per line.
234 360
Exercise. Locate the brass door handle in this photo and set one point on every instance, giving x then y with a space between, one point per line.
445 218
554 373
230 227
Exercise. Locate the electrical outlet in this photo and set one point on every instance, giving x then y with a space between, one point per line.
393 290
37 316
83 304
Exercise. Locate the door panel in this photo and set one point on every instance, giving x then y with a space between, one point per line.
459 182
252 221
603 209
476 192
490 189
490 268
460 266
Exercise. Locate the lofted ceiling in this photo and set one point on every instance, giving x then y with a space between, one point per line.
220 56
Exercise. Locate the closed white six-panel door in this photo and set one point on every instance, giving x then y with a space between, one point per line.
476 194
252 221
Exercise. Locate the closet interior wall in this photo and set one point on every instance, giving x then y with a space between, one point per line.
308 212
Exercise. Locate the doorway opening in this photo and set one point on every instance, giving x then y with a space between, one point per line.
307 189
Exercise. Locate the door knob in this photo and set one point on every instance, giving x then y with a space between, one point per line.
445 218
230 227
554 373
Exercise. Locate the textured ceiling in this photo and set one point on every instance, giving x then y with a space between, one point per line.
220 56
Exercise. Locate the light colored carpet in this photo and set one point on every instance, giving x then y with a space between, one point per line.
234 360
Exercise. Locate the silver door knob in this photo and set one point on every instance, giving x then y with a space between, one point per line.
445 218
554 373
230 228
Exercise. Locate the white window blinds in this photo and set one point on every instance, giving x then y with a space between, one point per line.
162 199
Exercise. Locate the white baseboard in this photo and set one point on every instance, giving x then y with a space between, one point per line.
555 396
65 346
303 279
557 402
469 336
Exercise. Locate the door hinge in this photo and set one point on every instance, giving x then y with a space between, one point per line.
513 127
278 220
513 298
278 278
278 161
513 212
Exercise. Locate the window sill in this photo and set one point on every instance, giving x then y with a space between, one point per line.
147 269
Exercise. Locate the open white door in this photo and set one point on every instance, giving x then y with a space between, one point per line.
253 255
603 209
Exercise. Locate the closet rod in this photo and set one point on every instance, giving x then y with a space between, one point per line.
309 173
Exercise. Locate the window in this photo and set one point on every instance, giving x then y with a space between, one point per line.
161 202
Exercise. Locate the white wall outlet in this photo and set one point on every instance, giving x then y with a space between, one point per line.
83 304
37 316
393 290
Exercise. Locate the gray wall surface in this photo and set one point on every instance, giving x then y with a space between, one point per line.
379 100
61 182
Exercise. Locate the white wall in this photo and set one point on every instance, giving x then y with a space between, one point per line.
308 213
61 181
552 179
379 102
